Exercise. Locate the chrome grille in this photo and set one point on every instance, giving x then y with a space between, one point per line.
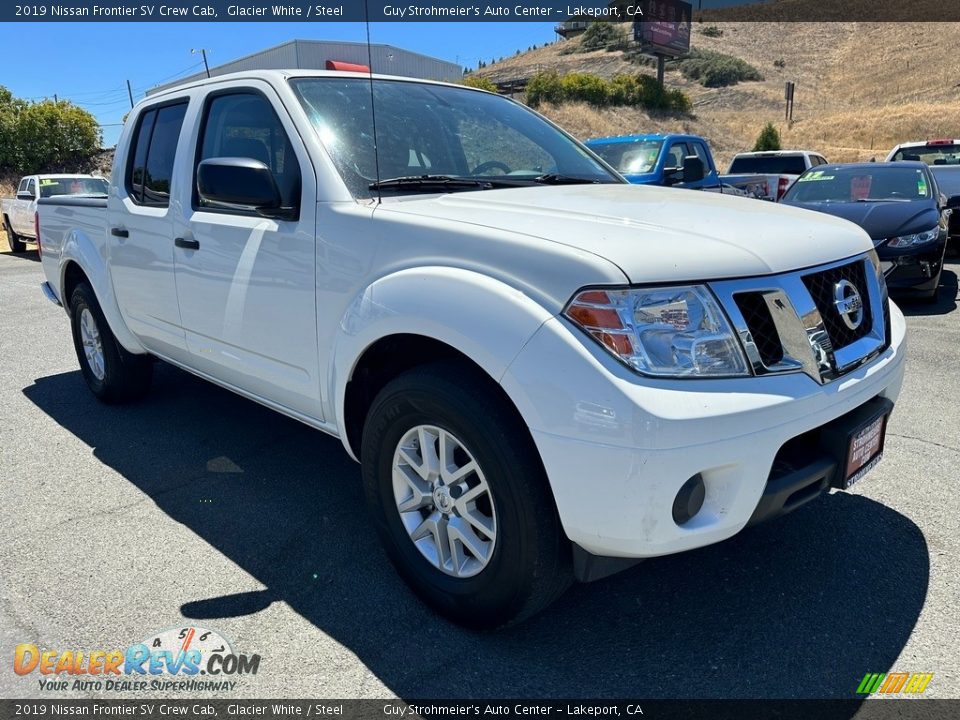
791 323
821 286
762 328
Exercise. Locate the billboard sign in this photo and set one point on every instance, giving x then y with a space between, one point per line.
664 27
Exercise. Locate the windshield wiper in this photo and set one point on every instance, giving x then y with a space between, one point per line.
446 182
895 200
558 179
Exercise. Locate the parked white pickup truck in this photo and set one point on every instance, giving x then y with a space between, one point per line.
19 213
769 174
546 373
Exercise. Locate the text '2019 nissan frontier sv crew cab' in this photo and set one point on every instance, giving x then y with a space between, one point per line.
546 373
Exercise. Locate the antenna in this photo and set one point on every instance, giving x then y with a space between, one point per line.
373 112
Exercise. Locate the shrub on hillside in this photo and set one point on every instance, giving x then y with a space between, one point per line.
711 31
479 82
44 135
768 139
632 90
712 69
600 35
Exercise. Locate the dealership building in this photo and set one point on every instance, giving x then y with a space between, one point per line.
314 55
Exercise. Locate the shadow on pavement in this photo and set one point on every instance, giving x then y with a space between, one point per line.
800 607
946 301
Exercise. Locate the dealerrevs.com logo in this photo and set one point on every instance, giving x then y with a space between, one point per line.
189 658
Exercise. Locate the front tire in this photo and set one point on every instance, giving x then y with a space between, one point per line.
460 498
16 244
112 374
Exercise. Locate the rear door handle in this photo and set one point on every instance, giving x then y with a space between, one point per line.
187 244
119 232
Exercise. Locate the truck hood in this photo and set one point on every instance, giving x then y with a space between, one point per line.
655 234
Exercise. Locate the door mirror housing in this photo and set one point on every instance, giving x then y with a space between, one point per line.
242 182
693 169
672 176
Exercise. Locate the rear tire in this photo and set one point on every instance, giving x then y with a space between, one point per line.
112 374
513 559
16 244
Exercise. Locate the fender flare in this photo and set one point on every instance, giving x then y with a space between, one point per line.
78 248
480 316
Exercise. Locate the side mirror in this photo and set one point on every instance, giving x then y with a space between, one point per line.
25 196
672 176
242 181
953 203
693 169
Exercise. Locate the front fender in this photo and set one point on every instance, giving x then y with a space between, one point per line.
80 248
485 319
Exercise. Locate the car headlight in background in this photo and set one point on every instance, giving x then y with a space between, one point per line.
921 238
665 332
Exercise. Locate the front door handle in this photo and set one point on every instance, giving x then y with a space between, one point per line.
119 232
187 244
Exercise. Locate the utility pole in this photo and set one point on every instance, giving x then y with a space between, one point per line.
55 100
130 93
203 52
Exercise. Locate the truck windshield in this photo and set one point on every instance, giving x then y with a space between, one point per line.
437 131
630 158
876 183
933 154
769 165
49 187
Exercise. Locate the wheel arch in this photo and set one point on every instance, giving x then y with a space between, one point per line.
423 315
76 267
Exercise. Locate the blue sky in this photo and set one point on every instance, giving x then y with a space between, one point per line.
89 63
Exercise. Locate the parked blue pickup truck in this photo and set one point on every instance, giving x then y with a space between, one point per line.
676 160
655 159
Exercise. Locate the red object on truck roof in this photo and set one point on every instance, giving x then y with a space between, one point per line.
346 67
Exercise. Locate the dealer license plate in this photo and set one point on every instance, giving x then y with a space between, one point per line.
865 450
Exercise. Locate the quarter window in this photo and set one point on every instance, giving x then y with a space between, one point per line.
155 148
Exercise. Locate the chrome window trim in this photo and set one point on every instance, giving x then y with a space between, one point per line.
800 328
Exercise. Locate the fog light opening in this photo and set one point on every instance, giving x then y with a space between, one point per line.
689 500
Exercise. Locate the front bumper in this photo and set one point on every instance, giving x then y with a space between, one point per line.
917 270
617 448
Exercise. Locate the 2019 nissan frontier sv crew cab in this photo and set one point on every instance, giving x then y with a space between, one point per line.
546 373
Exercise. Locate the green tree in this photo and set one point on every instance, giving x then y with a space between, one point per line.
768 139
479 82
599 35
43 136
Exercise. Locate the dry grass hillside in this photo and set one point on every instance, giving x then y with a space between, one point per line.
861 87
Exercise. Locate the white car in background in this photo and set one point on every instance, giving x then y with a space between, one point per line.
19 213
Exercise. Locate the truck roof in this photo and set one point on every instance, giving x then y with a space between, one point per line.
280 76
644 137
57 176
776 153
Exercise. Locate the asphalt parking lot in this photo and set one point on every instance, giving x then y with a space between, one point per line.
199 508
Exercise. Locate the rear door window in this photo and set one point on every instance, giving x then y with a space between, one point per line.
150 172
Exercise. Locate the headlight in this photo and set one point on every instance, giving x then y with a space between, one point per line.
665 332
922 238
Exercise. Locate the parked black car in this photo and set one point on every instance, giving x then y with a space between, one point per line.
948 178
899 204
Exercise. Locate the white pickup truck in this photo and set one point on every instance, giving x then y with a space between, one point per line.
19 213
769 174
546 373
